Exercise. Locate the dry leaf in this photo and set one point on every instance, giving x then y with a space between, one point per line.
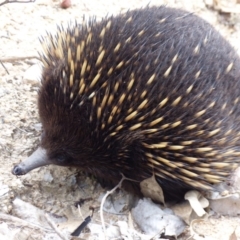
151 189
233 236
183 210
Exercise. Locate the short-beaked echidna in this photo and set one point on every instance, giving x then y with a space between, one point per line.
151 91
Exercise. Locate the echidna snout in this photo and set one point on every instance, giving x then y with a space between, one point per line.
37 159
152 91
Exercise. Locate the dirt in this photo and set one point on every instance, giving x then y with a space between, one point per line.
56 189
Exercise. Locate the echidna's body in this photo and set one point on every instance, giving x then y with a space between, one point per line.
152 91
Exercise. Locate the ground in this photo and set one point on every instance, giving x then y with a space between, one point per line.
56 189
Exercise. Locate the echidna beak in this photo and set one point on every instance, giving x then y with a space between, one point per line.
37 159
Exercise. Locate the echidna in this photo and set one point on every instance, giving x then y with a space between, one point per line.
152 91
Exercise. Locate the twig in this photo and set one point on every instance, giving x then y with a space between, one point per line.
14 59
104 199
4 67
80 212
54 227
22 222
19 129
16 1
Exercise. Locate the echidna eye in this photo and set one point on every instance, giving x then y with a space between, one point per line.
61 158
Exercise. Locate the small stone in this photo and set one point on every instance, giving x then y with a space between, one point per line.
33 75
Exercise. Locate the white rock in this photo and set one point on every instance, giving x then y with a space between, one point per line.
153 220
4 230
48 176
4 189
229 203
33 74
30 213
226 206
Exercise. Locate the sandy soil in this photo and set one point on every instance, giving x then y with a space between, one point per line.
55 189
